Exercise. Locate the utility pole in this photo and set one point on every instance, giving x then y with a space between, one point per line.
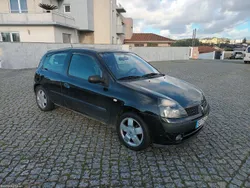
194 37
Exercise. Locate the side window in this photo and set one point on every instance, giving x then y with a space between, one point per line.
84 66
55 62
248 50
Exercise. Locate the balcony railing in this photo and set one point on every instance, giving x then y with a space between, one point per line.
51 18
120 29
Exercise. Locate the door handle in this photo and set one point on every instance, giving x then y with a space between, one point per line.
66 85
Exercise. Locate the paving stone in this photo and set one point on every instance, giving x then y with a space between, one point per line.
65 149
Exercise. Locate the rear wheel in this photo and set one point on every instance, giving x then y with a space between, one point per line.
42 99
133 132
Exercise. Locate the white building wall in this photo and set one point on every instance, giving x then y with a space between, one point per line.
32 33
59 32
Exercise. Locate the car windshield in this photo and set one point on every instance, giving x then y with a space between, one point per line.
128 65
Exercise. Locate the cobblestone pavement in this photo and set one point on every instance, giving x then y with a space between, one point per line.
62 148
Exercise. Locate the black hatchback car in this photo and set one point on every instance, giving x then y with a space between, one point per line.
121 89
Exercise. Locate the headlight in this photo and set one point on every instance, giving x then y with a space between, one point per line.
171 109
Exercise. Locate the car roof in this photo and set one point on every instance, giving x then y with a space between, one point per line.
93 50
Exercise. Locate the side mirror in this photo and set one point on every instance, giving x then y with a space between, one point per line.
96 79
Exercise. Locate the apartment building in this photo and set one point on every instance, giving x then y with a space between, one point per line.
74 21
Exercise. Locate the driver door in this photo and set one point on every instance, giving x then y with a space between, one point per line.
81 95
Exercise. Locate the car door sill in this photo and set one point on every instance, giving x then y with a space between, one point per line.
83 114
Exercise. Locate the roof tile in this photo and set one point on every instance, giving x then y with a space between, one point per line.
139 37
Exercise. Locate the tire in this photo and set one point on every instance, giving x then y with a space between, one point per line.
133 132
43 100
245 62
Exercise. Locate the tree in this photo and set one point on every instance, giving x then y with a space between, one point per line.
47 7
244 40
186 42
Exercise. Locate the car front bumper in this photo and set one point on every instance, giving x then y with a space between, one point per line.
166 131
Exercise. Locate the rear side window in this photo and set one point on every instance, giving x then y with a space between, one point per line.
84 66
55 62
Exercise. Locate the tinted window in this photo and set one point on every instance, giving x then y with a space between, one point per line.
55 62
84 66
248 50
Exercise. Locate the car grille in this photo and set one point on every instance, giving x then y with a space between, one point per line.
192 110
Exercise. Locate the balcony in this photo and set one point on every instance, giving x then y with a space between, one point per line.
120 9
52 18
120 29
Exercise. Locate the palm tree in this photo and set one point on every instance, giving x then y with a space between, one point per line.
47 7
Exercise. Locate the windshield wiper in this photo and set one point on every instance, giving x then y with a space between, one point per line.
152 74
129 77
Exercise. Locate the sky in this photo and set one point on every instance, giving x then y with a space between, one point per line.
177 18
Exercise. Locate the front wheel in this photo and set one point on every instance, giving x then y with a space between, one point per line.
133 132
43 100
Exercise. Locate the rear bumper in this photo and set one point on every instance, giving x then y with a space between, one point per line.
184 127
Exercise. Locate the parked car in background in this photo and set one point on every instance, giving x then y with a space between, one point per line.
237 55
247 55
121 89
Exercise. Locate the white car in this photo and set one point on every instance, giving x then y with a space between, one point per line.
247 55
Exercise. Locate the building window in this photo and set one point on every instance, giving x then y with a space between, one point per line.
139 45
66 38
10 37
18 6
67 8
152 44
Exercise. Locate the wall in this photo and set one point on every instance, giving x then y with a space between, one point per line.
32 33
209 55
194 53
33 5
161 53
102 21
4 6
28 55
163 45
86 37
81 11
226 54
128 27
60 30
114 36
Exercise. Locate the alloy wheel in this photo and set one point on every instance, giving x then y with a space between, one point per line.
131 132
41 99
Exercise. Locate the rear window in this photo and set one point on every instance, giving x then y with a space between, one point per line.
55 62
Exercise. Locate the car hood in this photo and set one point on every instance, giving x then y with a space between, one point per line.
168 87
